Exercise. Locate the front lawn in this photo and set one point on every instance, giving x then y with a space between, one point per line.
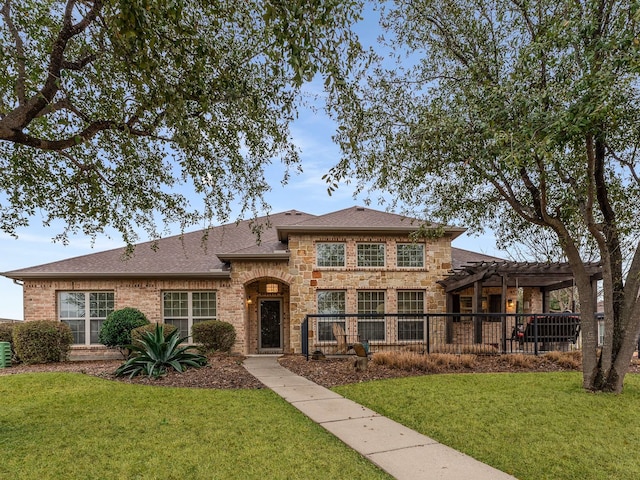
534 426
64 425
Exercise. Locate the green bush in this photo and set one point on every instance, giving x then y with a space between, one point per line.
6 335
138 332
156 353
42 341
116 329
214 335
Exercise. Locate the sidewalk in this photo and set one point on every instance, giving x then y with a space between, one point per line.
400 451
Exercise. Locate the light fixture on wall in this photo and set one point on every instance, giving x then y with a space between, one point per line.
510 303
249 301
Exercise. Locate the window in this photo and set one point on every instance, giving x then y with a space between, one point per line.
371 328
330 254
332 302
600 333
84 312
410 255
371 254
410 328
185 309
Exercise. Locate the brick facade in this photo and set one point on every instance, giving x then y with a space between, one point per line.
238 298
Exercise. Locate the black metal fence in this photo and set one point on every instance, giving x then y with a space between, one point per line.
481 333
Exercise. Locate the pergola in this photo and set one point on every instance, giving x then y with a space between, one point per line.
545 276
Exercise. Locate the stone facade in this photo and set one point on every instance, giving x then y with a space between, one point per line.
239 297
308 278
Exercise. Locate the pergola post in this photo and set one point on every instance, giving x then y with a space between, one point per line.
476 307
503 293
449 319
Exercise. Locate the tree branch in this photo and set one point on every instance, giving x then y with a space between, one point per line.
20 87
12 124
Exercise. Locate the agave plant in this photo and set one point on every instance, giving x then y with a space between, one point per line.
154 354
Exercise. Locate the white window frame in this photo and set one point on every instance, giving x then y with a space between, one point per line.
191 318
325 332
410 256
330 260
364 256
416 307
90 319
377 320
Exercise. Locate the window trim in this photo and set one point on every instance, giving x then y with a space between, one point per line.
344 255
370 244
378 317
190 318
402 244
88 319
419 315
331 320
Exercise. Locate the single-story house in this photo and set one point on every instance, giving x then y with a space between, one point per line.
265 275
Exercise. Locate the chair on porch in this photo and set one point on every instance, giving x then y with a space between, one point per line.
341 338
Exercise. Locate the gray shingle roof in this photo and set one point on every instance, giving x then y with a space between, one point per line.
191 254
207 253
360 219
460 257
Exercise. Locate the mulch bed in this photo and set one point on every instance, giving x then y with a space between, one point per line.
227 372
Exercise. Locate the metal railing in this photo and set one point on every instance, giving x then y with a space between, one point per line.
480 333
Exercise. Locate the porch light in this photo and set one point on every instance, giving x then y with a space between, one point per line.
510 302
249 301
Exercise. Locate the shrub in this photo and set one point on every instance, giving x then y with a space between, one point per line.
214 335
138 332
6 335
571 360
42 341
429 363
521 361
116 329
155 354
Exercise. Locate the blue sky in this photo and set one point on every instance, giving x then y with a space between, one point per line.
306 192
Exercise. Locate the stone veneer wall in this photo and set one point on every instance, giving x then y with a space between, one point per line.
308 278
300 279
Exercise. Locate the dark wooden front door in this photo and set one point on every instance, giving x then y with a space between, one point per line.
270 324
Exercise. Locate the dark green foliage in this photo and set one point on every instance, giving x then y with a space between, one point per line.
155 354
138 332
6 330
214 335
6 335
116 329
42 341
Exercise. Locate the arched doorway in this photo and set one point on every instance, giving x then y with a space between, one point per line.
268 316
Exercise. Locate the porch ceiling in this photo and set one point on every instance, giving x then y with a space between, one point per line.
547 276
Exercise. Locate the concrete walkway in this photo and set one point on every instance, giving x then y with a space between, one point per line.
400 451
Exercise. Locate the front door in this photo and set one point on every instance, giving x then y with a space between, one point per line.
270 325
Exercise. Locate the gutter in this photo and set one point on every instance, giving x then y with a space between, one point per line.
18 277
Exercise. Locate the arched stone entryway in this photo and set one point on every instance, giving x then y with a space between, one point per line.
268 315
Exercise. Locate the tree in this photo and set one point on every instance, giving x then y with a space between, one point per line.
516 113
109 107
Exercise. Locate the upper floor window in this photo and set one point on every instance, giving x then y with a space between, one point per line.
371 254
410 255
330 254
85 312
185 309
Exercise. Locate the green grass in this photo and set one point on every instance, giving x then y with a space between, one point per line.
534 426
73 426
